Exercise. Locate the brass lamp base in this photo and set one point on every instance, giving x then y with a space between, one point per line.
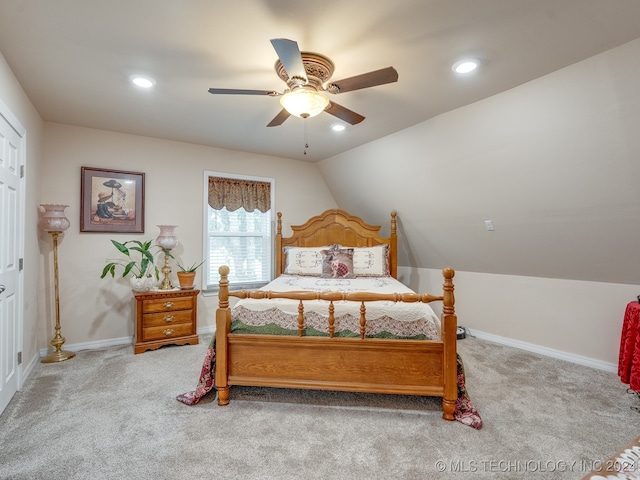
58 356
166 270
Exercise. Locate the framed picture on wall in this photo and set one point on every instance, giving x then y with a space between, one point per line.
111 201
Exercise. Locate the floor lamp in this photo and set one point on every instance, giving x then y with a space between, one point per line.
54 222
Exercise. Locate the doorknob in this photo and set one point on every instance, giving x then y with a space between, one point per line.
2 288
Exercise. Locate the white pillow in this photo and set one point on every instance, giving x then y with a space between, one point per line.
303 260
371 261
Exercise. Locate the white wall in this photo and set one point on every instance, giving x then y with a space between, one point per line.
94 309
13 96
551 316
555 163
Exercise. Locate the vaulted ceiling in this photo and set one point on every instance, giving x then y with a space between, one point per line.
74 58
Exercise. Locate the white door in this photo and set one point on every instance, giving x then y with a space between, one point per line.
11 199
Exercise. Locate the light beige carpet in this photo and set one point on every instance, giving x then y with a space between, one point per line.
109 414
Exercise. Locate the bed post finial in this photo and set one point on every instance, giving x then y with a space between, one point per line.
393 223
223 292
279 227
447 287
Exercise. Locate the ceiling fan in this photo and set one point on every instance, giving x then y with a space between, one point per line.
307 77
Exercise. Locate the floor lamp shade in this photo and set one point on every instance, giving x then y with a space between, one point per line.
54 222
53 219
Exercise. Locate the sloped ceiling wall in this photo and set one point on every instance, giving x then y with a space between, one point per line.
554 163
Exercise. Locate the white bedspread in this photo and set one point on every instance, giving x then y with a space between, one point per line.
398 318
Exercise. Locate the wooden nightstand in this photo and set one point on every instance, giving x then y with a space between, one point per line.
165 318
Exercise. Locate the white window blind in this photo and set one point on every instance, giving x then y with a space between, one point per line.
242 241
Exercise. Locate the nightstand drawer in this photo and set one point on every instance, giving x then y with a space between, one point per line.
167 305
164 332
166 318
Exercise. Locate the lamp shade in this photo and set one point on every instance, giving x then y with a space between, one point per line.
53 219
304 102
167 238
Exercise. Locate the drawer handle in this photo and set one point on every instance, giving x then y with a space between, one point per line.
169 318
168 305
169 331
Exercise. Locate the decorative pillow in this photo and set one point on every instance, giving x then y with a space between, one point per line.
371 261
304 260
337 263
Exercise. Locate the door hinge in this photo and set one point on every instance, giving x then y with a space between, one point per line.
21 171
20 264
19 358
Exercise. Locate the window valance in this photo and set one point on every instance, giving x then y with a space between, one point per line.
234 193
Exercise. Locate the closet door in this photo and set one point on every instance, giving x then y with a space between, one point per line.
11 155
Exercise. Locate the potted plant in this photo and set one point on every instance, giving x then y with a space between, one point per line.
138 264
187 275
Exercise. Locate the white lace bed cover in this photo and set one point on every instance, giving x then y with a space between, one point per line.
397 318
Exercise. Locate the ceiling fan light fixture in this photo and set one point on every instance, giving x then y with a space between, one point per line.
304 102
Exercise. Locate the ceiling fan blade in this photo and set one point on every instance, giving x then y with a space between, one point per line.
291 58
279 119
233 91
371 79
343 113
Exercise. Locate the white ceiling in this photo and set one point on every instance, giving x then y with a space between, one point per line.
73 58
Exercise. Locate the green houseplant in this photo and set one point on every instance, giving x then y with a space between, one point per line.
187 275
138 263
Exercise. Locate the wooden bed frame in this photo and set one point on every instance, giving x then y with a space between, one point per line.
391 366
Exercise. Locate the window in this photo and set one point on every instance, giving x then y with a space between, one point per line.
239 230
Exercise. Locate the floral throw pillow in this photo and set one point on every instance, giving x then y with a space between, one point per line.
337 263
304 260
371 261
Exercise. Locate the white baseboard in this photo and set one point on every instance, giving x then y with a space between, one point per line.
207 330
76 347
549 352
27 369
113 342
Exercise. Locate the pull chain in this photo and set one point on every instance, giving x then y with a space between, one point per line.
306 140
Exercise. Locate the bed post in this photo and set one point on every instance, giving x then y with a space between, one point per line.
449 337
393 247
223 325
279 258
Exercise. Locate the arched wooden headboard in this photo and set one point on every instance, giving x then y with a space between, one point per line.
336 226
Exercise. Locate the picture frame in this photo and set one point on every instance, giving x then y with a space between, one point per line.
111 201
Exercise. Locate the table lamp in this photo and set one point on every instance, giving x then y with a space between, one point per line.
167 240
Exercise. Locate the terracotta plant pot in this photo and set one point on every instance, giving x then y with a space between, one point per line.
186 280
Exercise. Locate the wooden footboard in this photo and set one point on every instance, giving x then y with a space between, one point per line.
408 367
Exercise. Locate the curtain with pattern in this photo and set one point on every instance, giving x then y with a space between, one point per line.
234 193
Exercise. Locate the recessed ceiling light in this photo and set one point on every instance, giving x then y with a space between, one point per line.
466 65
337 127
144 82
